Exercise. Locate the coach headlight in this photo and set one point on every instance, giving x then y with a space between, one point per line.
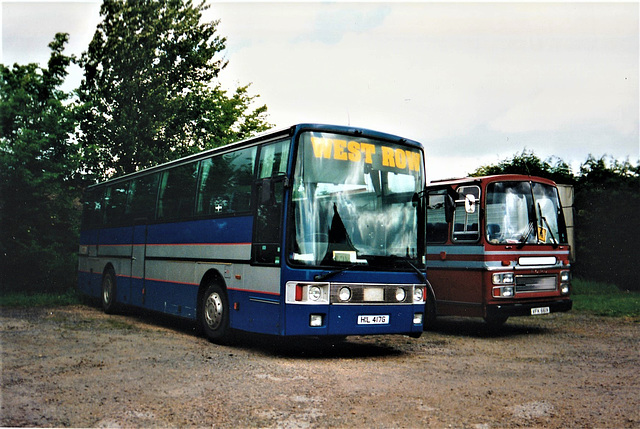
344 294
502 278
503 292
418 294
401 294
315 293
565 285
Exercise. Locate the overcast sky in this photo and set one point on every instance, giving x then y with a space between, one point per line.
474 82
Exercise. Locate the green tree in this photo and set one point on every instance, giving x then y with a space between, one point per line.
150 91
607 202
528 163
38 159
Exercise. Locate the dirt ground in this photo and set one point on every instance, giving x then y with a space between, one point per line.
75 366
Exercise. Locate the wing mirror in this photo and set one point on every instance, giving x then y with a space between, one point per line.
470 203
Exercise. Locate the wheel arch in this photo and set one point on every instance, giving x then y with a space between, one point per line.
108 267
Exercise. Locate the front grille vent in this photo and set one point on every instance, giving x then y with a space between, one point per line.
527 284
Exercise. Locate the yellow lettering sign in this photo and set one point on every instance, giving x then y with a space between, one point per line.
354 151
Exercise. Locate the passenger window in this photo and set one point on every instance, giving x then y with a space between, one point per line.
273 159
437 226
466 224
143 192
225 183
177 192
91 212
115 199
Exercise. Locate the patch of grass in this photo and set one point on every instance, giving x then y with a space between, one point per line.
604 299
16 299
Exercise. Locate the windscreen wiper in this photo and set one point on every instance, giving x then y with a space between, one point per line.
544 220
321 277
524 238
532 222
420 274
422 277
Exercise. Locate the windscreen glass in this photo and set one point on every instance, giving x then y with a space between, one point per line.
352 201
524 213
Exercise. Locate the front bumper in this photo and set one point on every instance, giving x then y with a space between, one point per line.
524 308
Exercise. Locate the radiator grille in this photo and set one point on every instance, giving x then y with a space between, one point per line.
526 284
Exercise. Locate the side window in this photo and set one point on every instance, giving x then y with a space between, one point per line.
115 199
91 210
225 183
177 194
466 218
143 192
437 226
273 159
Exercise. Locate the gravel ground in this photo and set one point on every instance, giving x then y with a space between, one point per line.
75 366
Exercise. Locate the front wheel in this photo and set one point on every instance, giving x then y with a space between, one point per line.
430 314
214 314
495 322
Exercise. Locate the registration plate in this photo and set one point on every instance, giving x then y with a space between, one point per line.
373 320
539 310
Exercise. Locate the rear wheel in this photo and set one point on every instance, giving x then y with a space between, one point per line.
214 314
109 292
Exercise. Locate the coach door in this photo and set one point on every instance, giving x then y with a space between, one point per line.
138 253
269 191
143 195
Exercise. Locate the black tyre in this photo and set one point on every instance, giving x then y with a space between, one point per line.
214 314
109 289
430 320
495 322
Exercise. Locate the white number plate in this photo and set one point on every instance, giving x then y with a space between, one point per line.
373 320
539 310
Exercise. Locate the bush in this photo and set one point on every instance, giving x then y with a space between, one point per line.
70 297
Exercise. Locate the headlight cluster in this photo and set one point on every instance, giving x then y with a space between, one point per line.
502 278
308 293
565 282
503 291
401 294
313 293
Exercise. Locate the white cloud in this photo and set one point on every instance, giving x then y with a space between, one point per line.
472 81
28 28
336 20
